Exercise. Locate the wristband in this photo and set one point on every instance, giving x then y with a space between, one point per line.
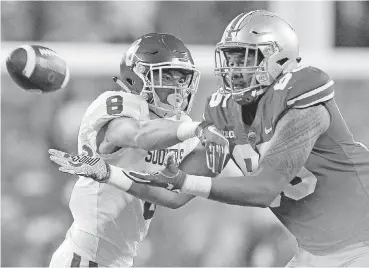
118 179
187 130
197 185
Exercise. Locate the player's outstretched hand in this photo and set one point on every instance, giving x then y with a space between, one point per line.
83 165
216 146
170 178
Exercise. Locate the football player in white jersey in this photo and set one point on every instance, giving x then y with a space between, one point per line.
128 130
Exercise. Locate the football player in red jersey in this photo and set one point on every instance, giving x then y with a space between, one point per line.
288 138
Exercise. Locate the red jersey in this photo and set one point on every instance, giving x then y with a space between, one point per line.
326 206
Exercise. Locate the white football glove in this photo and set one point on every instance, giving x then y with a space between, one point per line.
216 146
83 165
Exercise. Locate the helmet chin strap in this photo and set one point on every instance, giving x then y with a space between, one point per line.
172 107
160 112
175 102
165 112
248 97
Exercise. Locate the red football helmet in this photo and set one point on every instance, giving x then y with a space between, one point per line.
152 55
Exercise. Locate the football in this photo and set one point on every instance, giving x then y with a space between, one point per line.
37 69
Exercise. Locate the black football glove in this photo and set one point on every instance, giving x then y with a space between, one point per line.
170 178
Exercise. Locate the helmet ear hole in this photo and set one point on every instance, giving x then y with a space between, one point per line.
260 56
281 62
130 81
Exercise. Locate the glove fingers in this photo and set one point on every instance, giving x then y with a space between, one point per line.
139 177
210 156
217 156
58 153
170 161
61 161
67 170
224 156
73 171
213 158
146 179
170 158
221 159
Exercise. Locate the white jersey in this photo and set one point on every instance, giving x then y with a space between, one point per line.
110 223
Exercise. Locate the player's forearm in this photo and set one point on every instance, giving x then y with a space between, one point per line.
159 196
255 190
157 134
235 191
163 133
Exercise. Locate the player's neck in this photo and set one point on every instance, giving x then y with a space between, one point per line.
249 112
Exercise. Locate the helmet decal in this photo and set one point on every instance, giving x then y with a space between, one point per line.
131 52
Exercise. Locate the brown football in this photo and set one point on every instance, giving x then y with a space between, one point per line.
37 68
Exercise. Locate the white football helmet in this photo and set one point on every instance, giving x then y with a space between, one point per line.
265 37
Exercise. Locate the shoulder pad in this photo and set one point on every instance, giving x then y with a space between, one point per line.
114 104
118 104
305 86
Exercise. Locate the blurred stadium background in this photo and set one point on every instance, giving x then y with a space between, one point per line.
92 37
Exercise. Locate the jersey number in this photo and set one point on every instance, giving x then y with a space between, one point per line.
282 83
148 210
301 186
114 105
217 98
